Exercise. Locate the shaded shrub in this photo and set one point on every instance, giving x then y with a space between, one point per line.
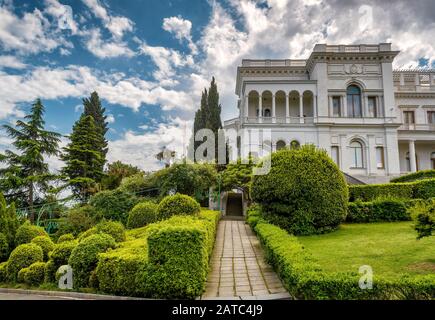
26 232
304 191
142 214
45 243
4 247
21 257
3 272
114 204
423 214
8 225
419 175
58 257
377 210
84 257
65 237
33 275
178 204
78 220
112 228
424 189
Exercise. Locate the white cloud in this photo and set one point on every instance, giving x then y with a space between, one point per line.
103 49
11 62
110 118
27 34
63 15
181 28
117 25
141 148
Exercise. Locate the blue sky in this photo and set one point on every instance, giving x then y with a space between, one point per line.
149 60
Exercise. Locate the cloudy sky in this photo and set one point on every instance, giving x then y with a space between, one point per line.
150 59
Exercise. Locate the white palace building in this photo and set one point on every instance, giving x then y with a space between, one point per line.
375 122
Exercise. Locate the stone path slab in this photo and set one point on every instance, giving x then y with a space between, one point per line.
238 268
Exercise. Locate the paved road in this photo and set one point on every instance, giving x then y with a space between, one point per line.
18 296
238 267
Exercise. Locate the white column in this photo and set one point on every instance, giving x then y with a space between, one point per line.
287 109
412 162
273 108
315 107
344 111
301 108
246 109
331 107
260 109
365 109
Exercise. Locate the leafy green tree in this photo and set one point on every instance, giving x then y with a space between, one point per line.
423 214
26 171
238 175
93 108
8 222
116 171
83 159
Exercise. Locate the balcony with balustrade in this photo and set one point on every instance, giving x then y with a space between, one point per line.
414 81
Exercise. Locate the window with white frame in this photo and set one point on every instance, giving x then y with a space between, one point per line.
357 154
336 106
380 160
372 107
335 155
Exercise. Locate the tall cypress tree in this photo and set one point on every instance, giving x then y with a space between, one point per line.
199 121
26 171
83 159
93 107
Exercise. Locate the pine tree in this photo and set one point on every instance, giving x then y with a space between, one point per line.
93 107
26 172
83 159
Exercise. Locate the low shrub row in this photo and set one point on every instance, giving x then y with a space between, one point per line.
304 279
423 189
419 175
377 210
168 259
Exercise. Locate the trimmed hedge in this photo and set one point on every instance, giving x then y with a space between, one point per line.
112 228
84 257
168 259
304 279
423 189
21 257
33 275
419 175
26 232
58 257
377 210
142 214
45 243
65 237
178 204
4 247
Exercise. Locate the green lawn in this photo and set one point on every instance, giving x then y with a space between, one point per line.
389 248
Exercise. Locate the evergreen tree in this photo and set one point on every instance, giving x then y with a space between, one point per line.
26 172
83 159
209 114
8 225
93 107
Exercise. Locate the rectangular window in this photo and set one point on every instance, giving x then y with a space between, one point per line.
372 107
380 161
408 117
335 155
431 117
336 106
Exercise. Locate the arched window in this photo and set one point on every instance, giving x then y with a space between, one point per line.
267 112
280 145
432 159
357 154
294 144
354 102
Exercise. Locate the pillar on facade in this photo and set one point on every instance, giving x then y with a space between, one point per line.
245 113
273 108
412 158
331 104
301 108
287 108
315 106
260 109
344 104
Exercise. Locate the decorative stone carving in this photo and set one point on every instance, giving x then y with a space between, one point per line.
353 68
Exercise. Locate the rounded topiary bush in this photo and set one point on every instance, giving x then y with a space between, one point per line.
33 275
112 228
142 214
3 271
178 204
45 243
58 257
4 247
65 237
84 257
21 257
26 232
304 192
87 234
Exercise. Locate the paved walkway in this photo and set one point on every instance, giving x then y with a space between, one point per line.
238 267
